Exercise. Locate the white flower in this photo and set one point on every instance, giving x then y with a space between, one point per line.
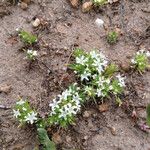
99 92
16 113
100 69
121 80
65 94
63 114
148 54
54 104
110 87
133 61
94 55
70 109
107 81
21 102
24 109
31 117
34 53
85 76
99 22
100 81
81 60
142 51
76 98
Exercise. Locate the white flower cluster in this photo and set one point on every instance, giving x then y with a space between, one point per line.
31 54
91 63
24 113
121 80
65 106
91 69
139 54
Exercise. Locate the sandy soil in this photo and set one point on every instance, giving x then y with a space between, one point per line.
66 29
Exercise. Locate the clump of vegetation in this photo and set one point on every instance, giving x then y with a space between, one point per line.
66 106
97 75
31 55
100 2
27 37
112 37
24 113
140 60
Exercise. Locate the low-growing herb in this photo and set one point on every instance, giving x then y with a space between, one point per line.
31 54
112 37
140 60
27 37
97 75
66 106
24 113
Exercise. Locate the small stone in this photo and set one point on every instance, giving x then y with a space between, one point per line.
86 114
87 6
125 66
103 107
57 138
113 130
68 138
85 137
99 22
36 22
74 3
23 5
5 88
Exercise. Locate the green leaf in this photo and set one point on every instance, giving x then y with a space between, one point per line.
44 140
27 37
110 70
148 114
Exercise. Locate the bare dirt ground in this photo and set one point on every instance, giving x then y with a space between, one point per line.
66 29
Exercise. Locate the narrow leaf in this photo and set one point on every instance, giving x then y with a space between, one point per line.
44 140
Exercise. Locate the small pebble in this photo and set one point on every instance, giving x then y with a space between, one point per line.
36 22
23 6
87 6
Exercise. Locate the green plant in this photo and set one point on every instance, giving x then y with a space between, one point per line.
112 37
140 60
148 114
31 55
98 77
27 37
44 140
99 2
66 106
24 113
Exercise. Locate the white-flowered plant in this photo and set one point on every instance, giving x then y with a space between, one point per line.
24 113
31 54
98 76
66 106
140 60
